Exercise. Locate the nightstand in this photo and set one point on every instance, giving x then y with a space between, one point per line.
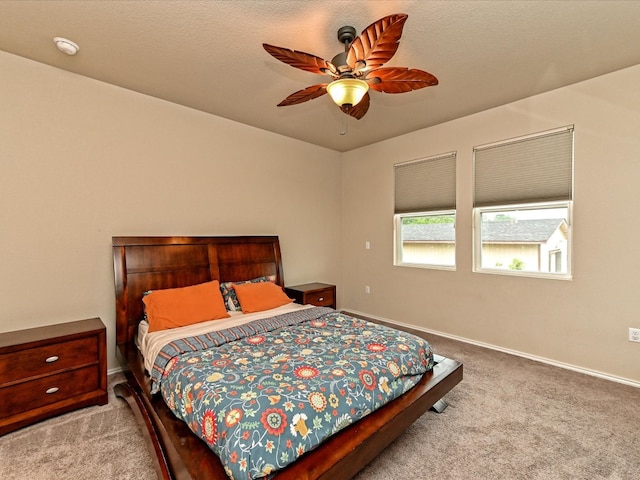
50 370
318 294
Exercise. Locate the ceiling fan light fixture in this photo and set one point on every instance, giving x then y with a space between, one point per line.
347 91
352 69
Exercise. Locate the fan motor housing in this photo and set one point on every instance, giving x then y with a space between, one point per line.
346 34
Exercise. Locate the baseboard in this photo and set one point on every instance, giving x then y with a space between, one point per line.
548 361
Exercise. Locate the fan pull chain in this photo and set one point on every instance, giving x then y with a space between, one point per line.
344 127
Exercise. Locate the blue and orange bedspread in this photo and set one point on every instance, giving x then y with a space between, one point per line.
263 394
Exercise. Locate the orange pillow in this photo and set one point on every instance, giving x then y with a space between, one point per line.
177 307
255 297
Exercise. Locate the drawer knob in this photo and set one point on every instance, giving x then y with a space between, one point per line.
51 390
51 359
321 299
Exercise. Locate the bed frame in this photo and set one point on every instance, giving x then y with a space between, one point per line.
147 263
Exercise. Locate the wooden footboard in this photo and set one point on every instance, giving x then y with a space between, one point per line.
180 455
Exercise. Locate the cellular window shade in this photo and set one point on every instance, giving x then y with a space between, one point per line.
426 185
528 170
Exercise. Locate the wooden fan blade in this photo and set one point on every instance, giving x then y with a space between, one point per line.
305 95
377 43
399 79
303 61
360 109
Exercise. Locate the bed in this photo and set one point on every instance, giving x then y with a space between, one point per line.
144 264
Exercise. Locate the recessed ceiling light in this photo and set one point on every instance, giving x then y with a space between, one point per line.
66 45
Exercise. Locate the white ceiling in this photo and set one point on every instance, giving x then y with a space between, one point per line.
208 55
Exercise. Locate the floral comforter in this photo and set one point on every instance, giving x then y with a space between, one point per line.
263 394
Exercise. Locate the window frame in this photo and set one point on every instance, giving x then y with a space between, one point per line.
477 239
398 240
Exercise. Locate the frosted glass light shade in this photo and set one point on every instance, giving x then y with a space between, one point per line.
347 91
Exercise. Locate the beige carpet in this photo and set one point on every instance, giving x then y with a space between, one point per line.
94 443
510 418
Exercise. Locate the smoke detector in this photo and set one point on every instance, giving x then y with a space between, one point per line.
66 46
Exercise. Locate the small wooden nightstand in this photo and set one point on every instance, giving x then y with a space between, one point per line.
50 370
318 294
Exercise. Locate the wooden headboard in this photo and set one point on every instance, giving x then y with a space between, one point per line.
151 263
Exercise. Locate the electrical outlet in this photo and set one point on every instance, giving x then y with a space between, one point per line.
368 290
634 334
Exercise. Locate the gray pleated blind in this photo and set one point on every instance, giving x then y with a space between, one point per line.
529 170
426 185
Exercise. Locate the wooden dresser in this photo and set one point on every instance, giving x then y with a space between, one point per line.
318 294
50 370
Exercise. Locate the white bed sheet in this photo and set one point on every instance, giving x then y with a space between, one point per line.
150 344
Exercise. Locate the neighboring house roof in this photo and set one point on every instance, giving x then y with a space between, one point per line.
521 231
533 231
428 232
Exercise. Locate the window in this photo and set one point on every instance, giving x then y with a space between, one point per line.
528 239
523 200
555 261
426 239
424 220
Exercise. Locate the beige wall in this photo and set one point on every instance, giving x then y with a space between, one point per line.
66 142
583 322
82 161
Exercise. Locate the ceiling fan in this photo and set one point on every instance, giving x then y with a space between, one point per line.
358 68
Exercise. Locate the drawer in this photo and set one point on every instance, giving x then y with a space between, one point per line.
322 298
27 396
47 359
